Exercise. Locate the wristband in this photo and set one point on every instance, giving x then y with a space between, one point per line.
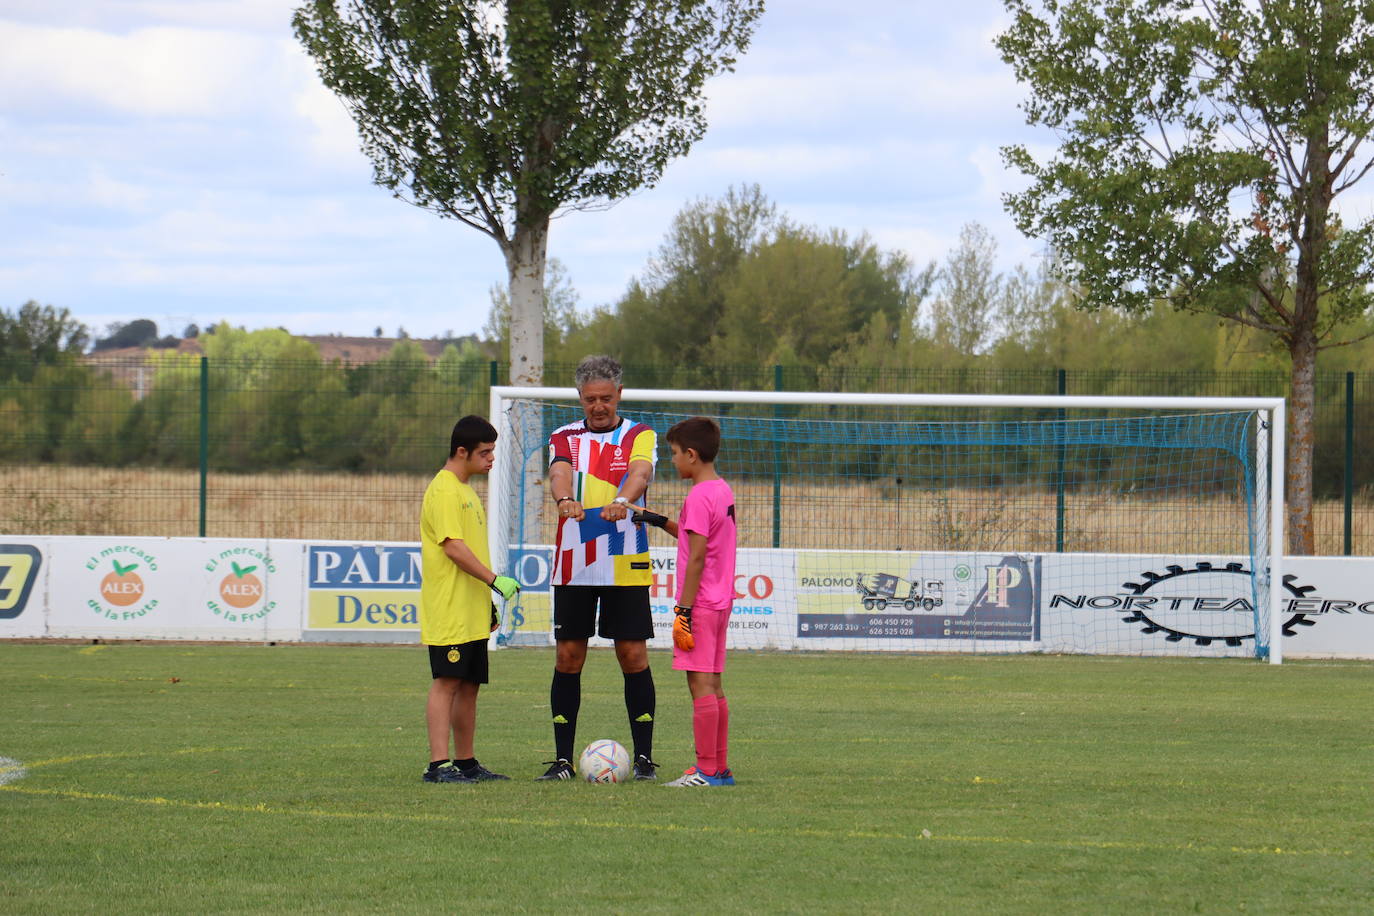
645 517
562 499
621 501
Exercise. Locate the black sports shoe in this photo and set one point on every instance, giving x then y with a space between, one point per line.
446 772
644 769
558 769
480 773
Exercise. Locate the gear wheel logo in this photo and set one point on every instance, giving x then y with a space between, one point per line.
1196 612
1299 619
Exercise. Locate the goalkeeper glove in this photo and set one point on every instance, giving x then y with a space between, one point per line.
495 618
645 517
682 629
504 586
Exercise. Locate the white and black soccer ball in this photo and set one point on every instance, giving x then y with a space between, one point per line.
604 761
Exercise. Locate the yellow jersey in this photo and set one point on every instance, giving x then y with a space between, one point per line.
454 606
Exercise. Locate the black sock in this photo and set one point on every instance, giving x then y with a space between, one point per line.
639 704
565 698
465 764
435 764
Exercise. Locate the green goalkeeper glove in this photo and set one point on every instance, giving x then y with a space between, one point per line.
645 517
505 586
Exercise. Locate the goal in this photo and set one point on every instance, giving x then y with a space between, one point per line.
949 523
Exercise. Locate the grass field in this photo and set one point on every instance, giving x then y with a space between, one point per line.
189 778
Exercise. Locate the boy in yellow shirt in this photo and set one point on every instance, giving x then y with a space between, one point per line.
456 611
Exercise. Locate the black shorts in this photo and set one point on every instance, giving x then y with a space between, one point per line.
467 661
625 612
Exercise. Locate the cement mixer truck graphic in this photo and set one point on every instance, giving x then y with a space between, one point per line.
880 592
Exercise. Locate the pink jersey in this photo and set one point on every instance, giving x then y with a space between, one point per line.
709 510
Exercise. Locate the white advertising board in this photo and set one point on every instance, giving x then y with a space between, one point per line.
361 592
24 569
287 590
173 588
1329 608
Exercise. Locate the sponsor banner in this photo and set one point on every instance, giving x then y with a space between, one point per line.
763 615
900 600
529 616
1329 607
1204 606
174 588
1151 604
250 588
23 586
241 589
363 587
119 588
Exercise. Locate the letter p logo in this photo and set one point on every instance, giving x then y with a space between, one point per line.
1001 580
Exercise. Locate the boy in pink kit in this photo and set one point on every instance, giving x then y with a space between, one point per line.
705 532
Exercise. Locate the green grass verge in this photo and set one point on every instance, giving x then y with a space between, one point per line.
286 779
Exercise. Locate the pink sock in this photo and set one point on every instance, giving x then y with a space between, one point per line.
722 732
705 722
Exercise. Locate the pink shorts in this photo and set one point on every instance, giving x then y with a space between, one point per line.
709 626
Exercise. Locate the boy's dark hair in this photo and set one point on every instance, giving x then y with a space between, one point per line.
700 433
470 432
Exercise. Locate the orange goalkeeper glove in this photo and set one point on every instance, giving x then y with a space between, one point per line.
682 629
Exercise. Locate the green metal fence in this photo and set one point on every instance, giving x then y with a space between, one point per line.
178 445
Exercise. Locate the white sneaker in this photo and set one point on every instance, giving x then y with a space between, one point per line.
693 777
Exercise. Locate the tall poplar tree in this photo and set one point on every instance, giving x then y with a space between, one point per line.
502 113
1202 149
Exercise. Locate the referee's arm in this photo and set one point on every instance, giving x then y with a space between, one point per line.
632 487
561 489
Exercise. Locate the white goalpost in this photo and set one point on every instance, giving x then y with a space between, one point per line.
950 523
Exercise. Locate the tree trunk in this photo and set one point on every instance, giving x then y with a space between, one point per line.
1314 198
525 258
1301 427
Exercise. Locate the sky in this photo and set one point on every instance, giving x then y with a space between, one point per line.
180 160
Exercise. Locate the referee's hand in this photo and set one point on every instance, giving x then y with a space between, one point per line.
614 512
571 508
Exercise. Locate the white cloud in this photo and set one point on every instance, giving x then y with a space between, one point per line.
333 139
115 15
182 156
148 72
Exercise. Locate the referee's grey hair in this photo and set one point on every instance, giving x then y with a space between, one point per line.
597 369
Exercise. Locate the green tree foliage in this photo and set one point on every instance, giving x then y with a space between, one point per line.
1202 150
140 332
499 115
964 313
38 335
41 384
732 284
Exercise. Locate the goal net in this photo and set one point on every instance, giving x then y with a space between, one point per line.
947 523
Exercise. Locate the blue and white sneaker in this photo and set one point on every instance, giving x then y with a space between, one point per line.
693 778
724 777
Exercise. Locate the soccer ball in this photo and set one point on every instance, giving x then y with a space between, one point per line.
604 761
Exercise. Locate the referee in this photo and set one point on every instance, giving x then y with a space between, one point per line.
599 469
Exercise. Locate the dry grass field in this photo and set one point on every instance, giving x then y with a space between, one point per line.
136 502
